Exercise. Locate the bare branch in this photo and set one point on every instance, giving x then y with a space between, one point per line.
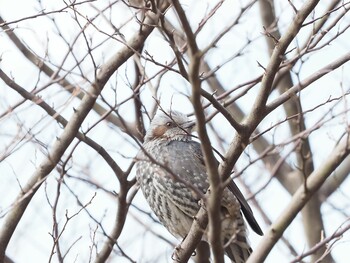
306 82
66 138
300 198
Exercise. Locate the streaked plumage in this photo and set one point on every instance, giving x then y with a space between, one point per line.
169 154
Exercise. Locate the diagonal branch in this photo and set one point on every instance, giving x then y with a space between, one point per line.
258 112
259 145
59 118
275 62
69 133
312 219
70 87
216 186
307 81
300 198
338 177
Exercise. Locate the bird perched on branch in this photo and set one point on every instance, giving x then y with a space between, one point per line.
171 172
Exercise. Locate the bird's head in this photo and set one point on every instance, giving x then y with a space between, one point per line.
172 125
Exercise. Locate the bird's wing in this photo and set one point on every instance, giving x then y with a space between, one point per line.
247 211
185 159
181 158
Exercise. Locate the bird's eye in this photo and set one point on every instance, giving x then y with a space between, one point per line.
169 124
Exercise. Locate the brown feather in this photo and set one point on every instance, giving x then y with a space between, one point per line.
159 131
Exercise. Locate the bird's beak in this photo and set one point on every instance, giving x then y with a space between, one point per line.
189 125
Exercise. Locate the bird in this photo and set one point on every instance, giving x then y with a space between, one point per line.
171 173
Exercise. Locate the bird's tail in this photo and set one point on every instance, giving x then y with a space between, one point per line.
239 250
